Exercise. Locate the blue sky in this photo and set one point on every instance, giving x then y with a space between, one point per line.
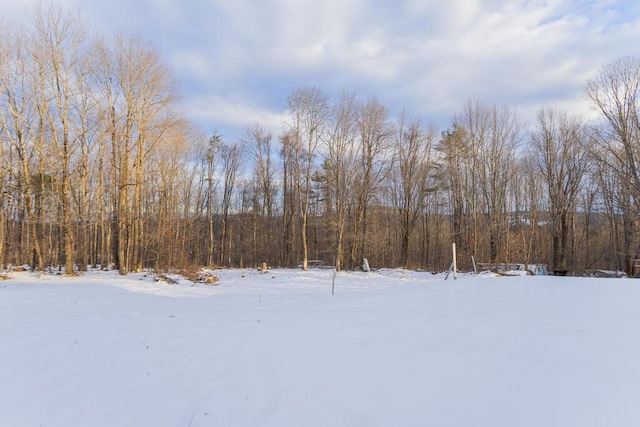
238 60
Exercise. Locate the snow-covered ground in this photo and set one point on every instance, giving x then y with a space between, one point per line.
391 348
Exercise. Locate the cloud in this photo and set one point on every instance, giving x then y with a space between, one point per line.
238 60
231 116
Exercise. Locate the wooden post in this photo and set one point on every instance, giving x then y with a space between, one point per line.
455 269
448 272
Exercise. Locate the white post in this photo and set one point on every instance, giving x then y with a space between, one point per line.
455 269
365 265
333 282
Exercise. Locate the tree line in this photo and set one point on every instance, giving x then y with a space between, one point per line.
99 167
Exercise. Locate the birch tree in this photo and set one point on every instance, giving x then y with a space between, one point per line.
308 113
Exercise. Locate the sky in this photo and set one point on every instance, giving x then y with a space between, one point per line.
237 61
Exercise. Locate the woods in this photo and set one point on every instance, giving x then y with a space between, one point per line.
100 167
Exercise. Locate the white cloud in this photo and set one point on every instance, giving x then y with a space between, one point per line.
427 56
238 60
224 114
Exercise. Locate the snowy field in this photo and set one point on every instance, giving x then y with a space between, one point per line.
391 348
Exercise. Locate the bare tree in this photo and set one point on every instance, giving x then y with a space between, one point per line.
58 42
558 149
614 194
209 177
17 115
375 159
308 112
115 149
470 126
455 157
259 143
589 198
97 166
341 162
231 156
168 188
531 192
138 92
85 128
4 165
615 91
493 134
290 176
412 177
